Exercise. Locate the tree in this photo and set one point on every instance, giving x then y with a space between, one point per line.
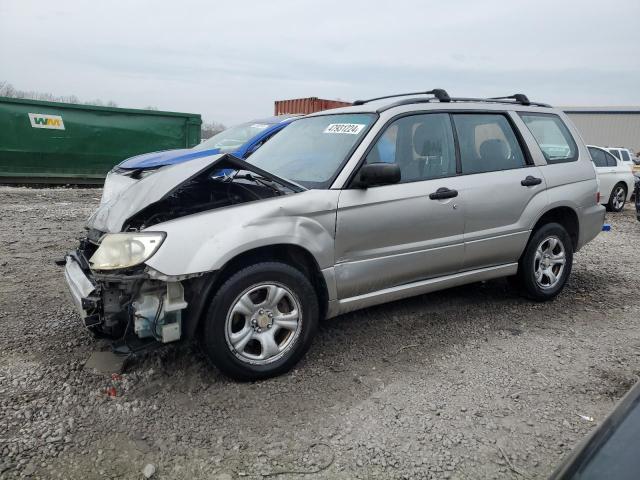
209 129
7 90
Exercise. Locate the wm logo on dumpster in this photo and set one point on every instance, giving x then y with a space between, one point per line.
42 120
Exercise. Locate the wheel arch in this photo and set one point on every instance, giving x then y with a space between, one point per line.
625 185
288 253
565 216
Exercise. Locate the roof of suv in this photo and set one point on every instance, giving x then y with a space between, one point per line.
436 98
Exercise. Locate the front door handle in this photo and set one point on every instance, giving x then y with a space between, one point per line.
530 181
443 193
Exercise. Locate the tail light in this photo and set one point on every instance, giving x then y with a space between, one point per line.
598 197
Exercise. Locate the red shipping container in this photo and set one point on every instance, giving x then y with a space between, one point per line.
305 106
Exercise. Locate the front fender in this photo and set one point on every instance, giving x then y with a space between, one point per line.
206 241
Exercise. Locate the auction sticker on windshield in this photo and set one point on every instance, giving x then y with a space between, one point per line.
260 126
348 128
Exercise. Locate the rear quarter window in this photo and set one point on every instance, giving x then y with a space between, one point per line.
552 135
598 157
611 160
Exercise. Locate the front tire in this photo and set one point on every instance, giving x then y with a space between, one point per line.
261 322
546 263
618 198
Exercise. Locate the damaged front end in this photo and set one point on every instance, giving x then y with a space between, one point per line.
116 293
124 303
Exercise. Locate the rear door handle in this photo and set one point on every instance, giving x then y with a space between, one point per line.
443 193
530 181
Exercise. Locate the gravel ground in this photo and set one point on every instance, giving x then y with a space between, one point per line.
472 382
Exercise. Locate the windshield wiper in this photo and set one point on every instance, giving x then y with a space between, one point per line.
238 164
262 181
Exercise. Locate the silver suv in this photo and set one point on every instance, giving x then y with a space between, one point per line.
343 209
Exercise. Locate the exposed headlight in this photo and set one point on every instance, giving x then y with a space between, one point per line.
122 250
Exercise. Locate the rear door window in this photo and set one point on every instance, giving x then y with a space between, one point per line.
487 143
615 152
552 135
598 156
625 156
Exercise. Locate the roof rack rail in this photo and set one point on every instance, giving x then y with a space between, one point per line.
520 98
438 93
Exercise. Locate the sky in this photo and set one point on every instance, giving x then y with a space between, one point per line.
229 60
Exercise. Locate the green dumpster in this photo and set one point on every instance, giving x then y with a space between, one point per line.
54 142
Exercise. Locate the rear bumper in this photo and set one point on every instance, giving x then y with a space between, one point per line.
591 223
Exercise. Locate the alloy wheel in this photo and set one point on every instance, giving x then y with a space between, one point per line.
619 197
549 262
263 323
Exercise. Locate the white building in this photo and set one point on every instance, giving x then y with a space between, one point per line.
607 126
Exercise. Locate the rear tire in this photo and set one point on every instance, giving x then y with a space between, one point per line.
546 263
261 321
618 198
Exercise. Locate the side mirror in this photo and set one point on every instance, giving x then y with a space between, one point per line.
377 174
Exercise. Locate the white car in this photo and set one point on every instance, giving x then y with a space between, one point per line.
623 154
616 179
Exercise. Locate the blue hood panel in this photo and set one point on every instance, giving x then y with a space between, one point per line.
166 157
172 157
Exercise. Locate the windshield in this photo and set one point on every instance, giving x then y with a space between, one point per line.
234 137
311 150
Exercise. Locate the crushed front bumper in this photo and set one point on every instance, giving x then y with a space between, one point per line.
126 303
83 290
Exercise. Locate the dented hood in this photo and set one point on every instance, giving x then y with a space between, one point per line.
166 157
135 195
